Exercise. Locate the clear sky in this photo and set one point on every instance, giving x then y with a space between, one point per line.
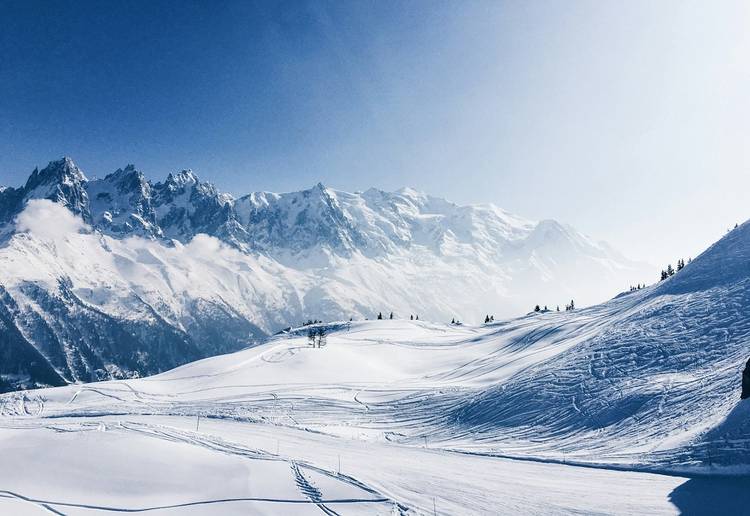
629 120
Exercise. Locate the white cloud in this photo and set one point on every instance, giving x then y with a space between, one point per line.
48 220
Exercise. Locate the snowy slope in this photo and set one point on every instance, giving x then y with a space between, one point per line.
414 417
120 277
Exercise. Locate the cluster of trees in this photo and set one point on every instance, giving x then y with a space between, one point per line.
316 336
489 318
380 316
637 287
311 322
670 271
568 307
455 321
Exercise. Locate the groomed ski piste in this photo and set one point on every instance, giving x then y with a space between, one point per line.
629 407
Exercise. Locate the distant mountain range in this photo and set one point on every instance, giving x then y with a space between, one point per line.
121 277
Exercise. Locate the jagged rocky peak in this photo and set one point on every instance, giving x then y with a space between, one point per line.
186 183
181 179
126 182
62 170
127 176
60 181
318 219
121 203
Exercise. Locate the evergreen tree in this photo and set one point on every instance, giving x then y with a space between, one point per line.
453 321
391 315
411 317
670 270
663 275
311 337
380 316
486 319
316 337
558 308
321 337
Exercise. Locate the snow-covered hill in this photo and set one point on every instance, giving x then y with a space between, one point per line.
120 277
415 417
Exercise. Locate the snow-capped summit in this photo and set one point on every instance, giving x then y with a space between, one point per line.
121 203
60 181
298 221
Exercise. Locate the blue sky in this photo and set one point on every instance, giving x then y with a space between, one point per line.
629 120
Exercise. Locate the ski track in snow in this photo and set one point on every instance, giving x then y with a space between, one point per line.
638 388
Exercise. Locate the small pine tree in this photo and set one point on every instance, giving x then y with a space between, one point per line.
380 316
311 337
411 317
663 275
453 321
486 319
417 317
536 308
558 308
391 317
670 270
321 337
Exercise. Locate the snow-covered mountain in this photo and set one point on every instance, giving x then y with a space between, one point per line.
119 276
417 417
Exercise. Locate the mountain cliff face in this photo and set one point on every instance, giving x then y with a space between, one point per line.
120 277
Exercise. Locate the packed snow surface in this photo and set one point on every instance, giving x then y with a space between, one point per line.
406 417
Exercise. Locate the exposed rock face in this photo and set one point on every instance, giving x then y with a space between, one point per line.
746 382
